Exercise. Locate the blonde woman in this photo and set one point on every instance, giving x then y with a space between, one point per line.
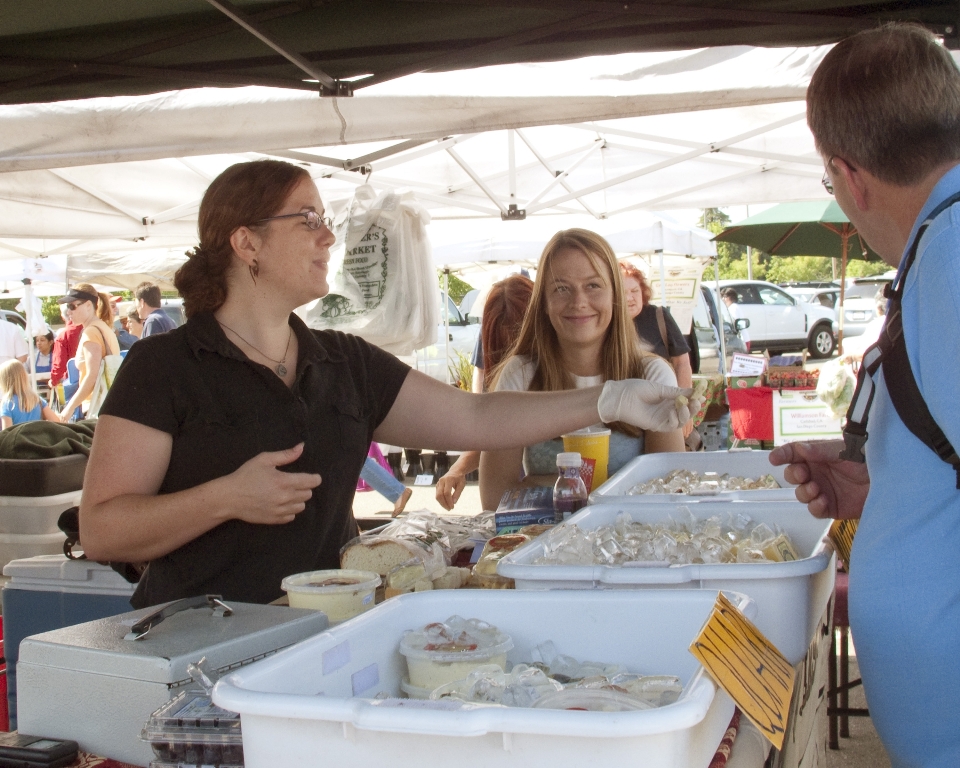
91 310
19 403
576 334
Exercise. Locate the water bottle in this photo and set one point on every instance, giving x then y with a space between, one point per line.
569 493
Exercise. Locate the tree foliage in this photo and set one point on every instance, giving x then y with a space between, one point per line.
732 260
458 288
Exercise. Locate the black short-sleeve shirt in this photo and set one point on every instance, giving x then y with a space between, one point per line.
222 409
649 331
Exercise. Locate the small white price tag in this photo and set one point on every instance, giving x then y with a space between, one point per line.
423 480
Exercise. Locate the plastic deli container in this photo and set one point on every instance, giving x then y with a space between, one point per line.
791 597
314 705
430 669
739 463
341 594
190 730
413 691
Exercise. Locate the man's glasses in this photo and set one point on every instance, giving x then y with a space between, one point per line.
314 219
827 184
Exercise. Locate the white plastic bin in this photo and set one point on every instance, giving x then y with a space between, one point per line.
298 707
740 463
790 597
16 546
34 514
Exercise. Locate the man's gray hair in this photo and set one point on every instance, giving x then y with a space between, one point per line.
887 100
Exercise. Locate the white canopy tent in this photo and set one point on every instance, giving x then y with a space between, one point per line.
604 136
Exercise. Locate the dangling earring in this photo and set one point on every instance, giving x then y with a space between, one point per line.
254 271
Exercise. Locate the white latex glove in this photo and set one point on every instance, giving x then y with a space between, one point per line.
646 404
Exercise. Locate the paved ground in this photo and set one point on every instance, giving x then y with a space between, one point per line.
861 750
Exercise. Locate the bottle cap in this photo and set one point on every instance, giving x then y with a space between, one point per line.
569 460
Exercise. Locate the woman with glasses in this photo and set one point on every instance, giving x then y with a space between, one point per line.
228 450
92 311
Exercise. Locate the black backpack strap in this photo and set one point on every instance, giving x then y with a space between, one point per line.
890 352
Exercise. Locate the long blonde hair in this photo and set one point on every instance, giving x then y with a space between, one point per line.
620 356
13 381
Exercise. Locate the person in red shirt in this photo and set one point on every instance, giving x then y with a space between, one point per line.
64 347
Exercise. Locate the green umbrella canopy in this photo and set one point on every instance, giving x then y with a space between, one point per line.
801 229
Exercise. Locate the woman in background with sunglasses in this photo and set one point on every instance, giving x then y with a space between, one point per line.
91 310
228 450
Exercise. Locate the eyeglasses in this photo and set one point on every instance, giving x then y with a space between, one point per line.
827 184
74 304
314 219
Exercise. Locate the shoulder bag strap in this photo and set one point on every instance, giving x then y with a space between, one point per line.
662 325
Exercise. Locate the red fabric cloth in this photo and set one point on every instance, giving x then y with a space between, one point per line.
751 413
64 347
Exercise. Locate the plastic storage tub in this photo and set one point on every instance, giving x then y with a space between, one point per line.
42 477
790 597
34 515
298 708
741 463
49 592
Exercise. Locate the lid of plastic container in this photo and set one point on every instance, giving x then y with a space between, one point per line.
333 581
569 460
192 718
456 639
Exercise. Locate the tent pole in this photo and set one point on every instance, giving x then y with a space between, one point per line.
31 332
446 319
720 333
749 255
844 244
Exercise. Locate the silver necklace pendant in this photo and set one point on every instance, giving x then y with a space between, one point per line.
281 370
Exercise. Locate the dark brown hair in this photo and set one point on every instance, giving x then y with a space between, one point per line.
502 317
887 100
628 270
243 194
150 294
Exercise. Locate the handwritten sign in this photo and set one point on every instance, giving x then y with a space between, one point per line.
748 667
798 414
841 534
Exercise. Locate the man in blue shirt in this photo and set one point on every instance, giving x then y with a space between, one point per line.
155 320
884 109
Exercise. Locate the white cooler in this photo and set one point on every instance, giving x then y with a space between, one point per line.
89 684
313 705
790 597
651 466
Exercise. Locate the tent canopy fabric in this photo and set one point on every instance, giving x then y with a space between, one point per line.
54 51
127 174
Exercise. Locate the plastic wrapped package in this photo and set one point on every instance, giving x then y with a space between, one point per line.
412 537
836 386
384 283
443 652
190 730
485 571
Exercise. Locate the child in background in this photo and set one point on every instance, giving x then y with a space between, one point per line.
20 403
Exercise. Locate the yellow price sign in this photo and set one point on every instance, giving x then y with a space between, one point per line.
841 534
748 667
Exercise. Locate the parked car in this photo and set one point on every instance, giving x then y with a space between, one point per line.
703 339
14 317
859 306
433 360
824 296
781 323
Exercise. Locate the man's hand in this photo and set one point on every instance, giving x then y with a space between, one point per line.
828 485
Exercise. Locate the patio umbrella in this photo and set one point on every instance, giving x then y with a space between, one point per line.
803 229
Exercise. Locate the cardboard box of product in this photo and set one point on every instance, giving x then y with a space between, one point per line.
524 506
